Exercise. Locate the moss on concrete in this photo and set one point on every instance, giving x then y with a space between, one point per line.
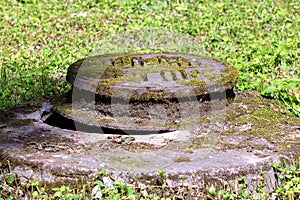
252 117
182 159
135 67
9 120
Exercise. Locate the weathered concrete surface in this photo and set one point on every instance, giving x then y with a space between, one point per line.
254 135
135 75
145 92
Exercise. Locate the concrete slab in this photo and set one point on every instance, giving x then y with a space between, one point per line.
244 144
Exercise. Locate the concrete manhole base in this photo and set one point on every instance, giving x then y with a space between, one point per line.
254 136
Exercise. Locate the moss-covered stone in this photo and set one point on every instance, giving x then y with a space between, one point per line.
260 123
138 82
129 72
68 154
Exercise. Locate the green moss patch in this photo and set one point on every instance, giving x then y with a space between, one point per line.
182 159
252 117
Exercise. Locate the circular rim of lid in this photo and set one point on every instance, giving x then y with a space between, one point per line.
225 76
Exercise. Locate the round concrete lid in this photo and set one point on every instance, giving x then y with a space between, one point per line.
152 75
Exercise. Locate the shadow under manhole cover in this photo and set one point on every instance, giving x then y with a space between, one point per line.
139 93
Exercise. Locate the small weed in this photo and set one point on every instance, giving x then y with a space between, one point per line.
64 192
161 173
212 191
289 176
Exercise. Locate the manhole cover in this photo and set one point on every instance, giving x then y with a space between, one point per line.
154 91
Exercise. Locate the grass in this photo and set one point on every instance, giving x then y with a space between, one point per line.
102 186
40 39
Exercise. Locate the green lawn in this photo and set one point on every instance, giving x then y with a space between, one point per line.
39 39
